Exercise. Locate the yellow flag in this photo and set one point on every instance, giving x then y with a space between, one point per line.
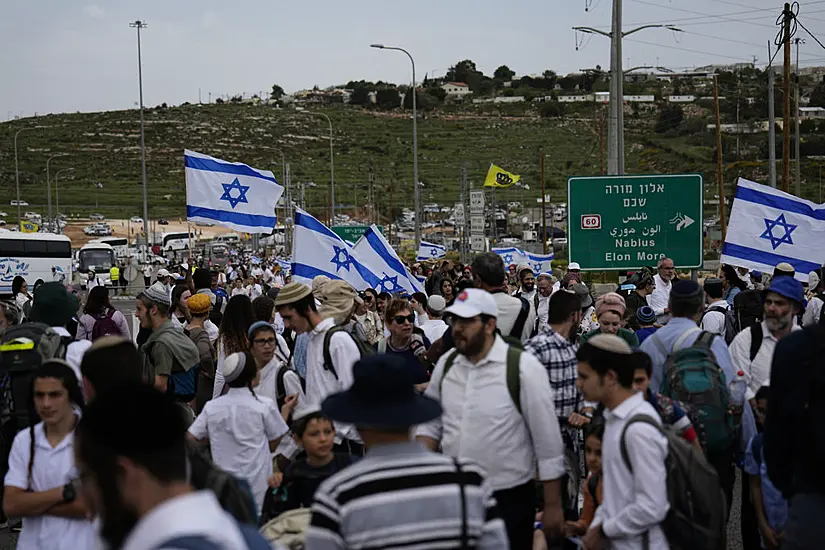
498 177
29 227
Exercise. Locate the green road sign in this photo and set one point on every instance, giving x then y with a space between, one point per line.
352 233
628 222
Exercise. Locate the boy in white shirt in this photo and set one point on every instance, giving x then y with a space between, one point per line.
634 502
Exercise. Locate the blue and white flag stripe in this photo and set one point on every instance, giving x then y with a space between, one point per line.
231 194
430 251
374 252
768 226
539 263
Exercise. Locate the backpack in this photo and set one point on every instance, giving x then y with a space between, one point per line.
518 326
288 529
756 340
693 376
253 540
363 348
233 494
105 325
215 314
23 348
513 373
730 322
280 385
698 512
748 309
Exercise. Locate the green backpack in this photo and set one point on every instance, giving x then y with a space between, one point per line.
513 373
693 376
363 348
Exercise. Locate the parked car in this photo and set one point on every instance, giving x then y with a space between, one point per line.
31 215
98 217
3 214
136 219
163 221
18 203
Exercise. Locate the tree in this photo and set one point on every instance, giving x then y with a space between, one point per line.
388 98
817 96
504 74
437 92
277 92
670 117
465 71
360 96
551 109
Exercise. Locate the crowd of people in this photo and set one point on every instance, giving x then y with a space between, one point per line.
501 408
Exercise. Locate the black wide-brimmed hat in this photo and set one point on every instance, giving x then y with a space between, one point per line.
382 396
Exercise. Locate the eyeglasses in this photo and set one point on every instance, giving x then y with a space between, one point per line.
368 298
264 341
399 319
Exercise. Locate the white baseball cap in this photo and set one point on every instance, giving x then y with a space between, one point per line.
473 302
574 265
163 273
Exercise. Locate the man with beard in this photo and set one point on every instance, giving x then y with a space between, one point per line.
752 349
496 403
662 284
544 286
131 455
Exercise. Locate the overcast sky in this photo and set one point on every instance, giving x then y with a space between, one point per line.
73 55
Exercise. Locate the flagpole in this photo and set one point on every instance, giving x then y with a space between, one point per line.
543 204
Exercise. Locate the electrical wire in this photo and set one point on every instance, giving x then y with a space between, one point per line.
702 14
689 50
810 33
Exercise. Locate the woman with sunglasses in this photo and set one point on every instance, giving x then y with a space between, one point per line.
406 341
369 319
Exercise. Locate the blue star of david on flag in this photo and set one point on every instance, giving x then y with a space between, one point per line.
227 193
390 284
778 222
537 267
508 259
341 258
434 252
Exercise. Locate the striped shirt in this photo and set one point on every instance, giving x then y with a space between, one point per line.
403 496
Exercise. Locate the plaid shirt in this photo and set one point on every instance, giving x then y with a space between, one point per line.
558 356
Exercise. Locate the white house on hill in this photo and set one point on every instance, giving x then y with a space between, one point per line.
456 89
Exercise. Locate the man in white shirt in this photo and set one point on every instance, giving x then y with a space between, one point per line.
713 320
131 456
663 282
635 502
147 275
527 282
752 349
544 285
92 281
507 435
434 327
516 317
816 291
296 305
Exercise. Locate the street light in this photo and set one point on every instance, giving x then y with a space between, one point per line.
57 194
331 162
17 170
49 183
416 191
615 155
142 25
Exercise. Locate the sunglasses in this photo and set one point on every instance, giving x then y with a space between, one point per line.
399 319
367 298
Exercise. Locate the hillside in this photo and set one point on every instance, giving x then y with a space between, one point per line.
104 147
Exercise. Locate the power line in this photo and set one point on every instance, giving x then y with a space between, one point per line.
712 54
744 22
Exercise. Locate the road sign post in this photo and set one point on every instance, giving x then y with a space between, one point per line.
628 222
477 241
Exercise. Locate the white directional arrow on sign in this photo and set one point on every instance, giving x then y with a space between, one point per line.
686 221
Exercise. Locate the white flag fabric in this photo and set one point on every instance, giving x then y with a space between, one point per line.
316 250
539 263
231 194
768 226
511 255
374 252
430 251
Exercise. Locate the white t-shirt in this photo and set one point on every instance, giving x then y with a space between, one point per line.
240 426
434 329
53 467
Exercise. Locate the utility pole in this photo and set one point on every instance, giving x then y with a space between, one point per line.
771 127
601 147
544 200
390 213
290 218
738 93
142 25
719 179
797 175
371 180
464 230
786 128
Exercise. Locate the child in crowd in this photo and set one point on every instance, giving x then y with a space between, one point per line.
295 488
646 318
593 492
770 506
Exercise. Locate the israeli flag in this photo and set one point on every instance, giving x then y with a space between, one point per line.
374 252
511 255
768 226
316 250
430 251
231 194
540 263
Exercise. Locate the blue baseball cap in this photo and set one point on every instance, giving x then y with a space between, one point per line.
258 325
788 287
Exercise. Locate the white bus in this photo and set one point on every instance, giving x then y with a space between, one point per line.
98 257
229 238
32 255
173 242
119 244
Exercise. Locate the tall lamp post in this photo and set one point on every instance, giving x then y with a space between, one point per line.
17 169
142 25
331 163
57 194
416 191
49 183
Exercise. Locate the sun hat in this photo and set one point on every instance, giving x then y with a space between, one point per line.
382 395
158 293
233 366
788 287
53 305
574 265
318 284
256 326
583 293
610 302
473 302
436 303
198 304
292 293
337 300
163 273
646 315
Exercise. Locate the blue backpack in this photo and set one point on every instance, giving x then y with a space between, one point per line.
253 540
693 376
